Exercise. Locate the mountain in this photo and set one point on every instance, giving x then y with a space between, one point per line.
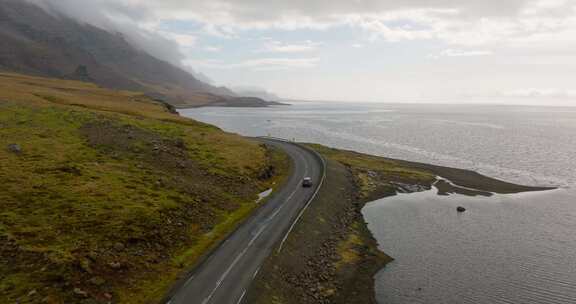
42 43
256 92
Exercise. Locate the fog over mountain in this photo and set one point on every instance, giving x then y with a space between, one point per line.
116 16
372 50
39 38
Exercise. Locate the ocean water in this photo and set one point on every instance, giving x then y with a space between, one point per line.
529 145
505 249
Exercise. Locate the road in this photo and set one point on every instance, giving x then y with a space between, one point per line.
226 274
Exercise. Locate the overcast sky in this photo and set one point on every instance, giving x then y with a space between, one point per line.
364 50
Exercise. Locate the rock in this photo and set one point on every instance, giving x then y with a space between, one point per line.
32 293
85 264
80 292
408 188
460 209
98 281
119 246
15 148
108 296
179 143
115 265
71 170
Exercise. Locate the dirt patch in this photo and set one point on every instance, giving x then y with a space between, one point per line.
169 155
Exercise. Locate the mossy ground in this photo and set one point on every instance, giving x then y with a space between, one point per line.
376 176
112 197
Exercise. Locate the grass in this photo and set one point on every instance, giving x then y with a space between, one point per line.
374 174
112 195
347 249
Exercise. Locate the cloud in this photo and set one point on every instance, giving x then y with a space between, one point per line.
259 64
184 40
514 34
460 53
541 93
212 48
487 23
131 18
281 47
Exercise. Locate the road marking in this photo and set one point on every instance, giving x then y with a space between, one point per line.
300 155
282 206
236 260
256 273
241 297
223 277
275 213
306 206
188 281
305 165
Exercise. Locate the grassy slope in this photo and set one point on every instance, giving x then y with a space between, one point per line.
113 197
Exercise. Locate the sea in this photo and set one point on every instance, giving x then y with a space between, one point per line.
517 248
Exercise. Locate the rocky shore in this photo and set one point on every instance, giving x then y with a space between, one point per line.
331 256
237 102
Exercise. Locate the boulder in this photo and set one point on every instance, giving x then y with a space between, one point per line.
460 209
115 265
119 246
80 292
98 281
15 148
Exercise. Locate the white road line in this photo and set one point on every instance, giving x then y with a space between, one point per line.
188 281
236 260
227 272
260 231
282 206
305 207
241 297
275 213
256 273
305 165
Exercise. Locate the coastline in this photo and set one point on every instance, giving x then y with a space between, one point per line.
331 256
182 186
235 102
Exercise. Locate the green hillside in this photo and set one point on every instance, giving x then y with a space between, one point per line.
106 196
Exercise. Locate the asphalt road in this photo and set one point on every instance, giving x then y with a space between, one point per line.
226 274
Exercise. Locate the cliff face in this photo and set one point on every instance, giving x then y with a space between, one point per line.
46 44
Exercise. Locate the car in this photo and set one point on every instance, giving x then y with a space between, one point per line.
307 182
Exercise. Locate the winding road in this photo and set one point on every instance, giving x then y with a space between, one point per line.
226 274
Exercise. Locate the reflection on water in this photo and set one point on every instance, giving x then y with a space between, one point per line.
504 249
527 145
264 195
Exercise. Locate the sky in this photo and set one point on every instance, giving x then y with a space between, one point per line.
496 51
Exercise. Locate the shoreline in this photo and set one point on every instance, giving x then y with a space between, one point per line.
237 102
331 256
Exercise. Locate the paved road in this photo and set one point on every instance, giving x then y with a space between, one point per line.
224 277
